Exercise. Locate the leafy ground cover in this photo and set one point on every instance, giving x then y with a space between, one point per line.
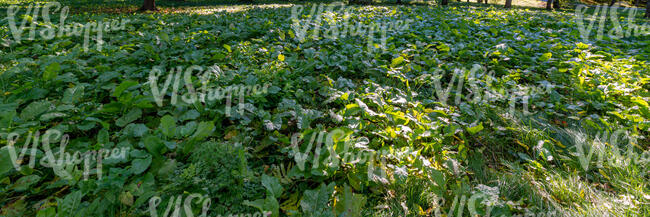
468 100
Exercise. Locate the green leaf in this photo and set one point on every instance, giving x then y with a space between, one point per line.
68 205
475 129
25 182
315 202
5 161
137 130
103 137
35 109
545 57
272 185
73 94
203 130
126 198
154 145
123 86
133 115
188 128
51 71
265 205
47 212
52 115
350 204
140 165
397 61
168 125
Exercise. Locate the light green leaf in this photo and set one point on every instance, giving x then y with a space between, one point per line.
397 61
475 129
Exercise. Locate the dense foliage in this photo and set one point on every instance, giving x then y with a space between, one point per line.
392 144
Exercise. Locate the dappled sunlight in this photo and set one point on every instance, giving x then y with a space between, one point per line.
315 109
228 8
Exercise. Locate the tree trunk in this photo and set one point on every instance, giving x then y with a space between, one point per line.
647 9
508 4
399 1
612 2
556 4
444 2
149 5
548 4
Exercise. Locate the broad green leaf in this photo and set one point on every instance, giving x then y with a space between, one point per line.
350 204
25 182
129 117
272 185
47 212
168 125
203 130
5 160
140 165
51 71
73 94
35 109
315 202
123 86
545 57
475 129
397 61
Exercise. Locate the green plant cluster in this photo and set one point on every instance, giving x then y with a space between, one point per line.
434 151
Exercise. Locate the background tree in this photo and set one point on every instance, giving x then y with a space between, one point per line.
444 2
647 9
612 2
508 4
556 4
149 5
549 4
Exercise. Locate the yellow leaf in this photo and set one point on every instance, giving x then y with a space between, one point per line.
281 57
603 173
231 134
420 211
521 144
558 143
